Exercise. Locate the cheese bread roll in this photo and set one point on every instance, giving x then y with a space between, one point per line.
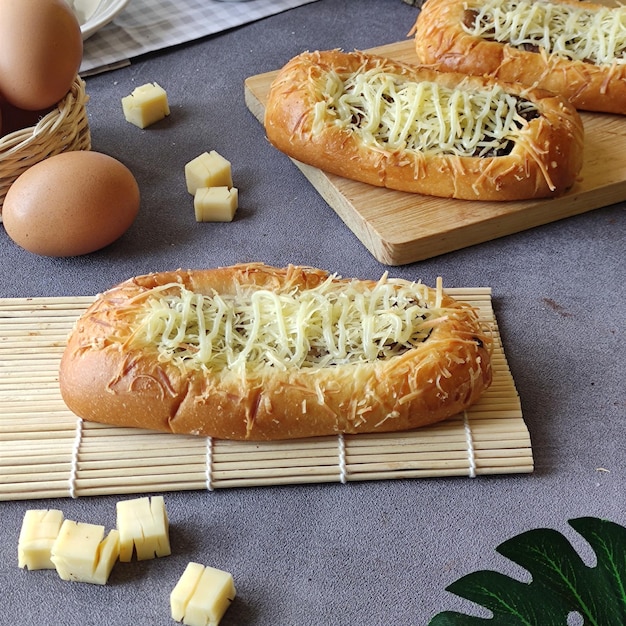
576 49
253 352
413 129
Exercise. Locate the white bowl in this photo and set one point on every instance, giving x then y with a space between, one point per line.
94 14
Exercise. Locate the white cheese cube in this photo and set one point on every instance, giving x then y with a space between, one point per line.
108 556
215 204
82 554
40 528
146 105
202 595
183 591
143 526
210 169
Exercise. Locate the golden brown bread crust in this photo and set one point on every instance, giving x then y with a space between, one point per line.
105 381
441 42
544 162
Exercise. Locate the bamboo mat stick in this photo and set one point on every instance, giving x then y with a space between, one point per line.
355 454
59 302
42 445
8 344
14 378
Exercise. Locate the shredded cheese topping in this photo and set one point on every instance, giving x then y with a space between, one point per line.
594 36
332 324
389 112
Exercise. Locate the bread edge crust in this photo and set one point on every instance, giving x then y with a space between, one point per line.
545 161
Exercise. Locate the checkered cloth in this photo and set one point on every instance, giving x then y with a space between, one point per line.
149 25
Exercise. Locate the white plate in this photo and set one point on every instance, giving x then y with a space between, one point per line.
94 14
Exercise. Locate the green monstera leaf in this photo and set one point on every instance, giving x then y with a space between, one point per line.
561 584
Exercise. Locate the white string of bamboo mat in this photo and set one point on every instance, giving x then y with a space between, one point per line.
469 440
45 451
78 439
209 464
343 468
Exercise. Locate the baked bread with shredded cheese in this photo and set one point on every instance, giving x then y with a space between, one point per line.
253 352
570 47
410 128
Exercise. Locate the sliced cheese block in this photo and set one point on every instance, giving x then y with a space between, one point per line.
215 204
40 528
210 169
202 595
108 556
81 552
144 527
146 105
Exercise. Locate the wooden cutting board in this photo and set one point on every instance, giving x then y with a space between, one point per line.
399 228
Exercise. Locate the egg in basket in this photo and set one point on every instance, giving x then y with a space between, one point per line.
42 97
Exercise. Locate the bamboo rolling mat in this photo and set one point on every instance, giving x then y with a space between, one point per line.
46 452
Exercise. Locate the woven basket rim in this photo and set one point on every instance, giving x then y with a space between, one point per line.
63 129
21 139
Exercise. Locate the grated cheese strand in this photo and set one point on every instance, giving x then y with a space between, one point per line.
388 112
578 33
331 324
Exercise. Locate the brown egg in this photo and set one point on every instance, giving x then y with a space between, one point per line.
70 204
41 48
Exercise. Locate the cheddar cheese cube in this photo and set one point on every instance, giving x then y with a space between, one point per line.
215 204
82 553
40 528
144 528
202 595
210 169
146 105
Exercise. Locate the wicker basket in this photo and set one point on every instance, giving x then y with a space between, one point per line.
63 129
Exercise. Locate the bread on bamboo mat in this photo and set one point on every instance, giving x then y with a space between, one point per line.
45 451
